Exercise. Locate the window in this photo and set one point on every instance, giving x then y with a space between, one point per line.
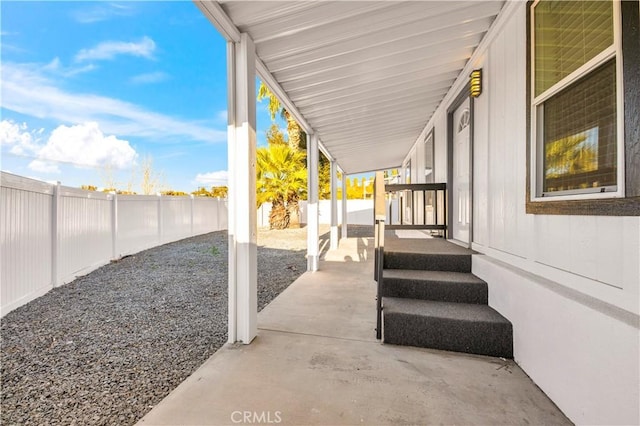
463 123
428 159
576 107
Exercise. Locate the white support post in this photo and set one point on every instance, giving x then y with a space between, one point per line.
344 205
334 206
243 294
313 231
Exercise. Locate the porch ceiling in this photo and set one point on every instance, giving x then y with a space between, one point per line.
366 76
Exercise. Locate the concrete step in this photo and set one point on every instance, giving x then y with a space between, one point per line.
459 327
427 261
460 287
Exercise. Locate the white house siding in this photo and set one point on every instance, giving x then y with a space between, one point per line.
569 284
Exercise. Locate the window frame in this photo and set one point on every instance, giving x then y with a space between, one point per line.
614 51
626 200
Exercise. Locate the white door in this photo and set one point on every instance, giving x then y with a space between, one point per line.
461 176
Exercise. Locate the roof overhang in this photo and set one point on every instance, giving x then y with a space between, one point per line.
366 76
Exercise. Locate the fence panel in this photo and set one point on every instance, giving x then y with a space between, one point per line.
176 218
209 214
26 238
359 212
84 232
137 223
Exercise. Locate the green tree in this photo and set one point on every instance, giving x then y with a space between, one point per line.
297 138
172 193
202 192
275 136
150 182
219 191
280 181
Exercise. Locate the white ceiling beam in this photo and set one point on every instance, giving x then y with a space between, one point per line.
282 96
213 11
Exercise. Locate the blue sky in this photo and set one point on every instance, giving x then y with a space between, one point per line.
91 89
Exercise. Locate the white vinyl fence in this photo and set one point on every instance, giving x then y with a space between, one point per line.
51 234
359 212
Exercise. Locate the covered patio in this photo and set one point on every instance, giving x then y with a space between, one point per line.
380 85
316 361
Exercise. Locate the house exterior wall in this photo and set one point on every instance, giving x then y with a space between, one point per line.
569 284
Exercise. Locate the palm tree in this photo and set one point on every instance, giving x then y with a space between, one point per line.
280 180
296 140
296 135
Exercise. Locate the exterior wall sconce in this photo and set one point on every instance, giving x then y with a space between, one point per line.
475 83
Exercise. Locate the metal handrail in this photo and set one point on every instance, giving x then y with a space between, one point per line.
383 220
379 219
409 196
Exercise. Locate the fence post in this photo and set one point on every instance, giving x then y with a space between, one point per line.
218 214
55 244
160 226
114 225
191 204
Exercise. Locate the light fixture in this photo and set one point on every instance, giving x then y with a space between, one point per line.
475 83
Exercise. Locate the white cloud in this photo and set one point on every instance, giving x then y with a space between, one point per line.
56 67
27 90
43 166
149 78
86 145
102 12
110 49
19 138
219 178
83 145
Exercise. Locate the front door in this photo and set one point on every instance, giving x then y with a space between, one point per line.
461 174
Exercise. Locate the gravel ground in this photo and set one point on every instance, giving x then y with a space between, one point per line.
107 347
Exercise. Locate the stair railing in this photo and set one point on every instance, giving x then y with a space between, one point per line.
379 209
417 206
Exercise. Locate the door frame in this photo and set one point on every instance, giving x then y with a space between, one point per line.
459 99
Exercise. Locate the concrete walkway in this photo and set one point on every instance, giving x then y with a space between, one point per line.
316 361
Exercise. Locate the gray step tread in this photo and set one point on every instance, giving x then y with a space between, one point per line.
444 310
432 276
458 327
430 262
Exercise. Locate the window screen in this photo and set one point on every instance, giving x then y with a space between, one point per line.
567 35
579 134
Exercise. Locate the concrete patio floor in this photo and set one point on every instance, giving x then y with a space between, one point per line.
316 361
